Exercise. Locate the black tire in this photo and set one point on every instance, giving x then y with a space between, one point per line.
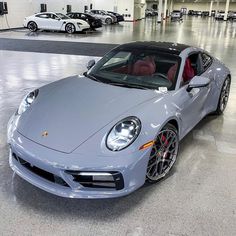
70 28
164 154
108 21
224 96
32 26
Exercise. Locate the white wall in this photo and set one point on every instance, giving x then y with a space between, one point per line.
150 4
126 7
139 9
17 10
60 5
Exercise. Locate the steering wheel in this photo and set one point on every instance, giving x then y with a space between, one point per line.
161 75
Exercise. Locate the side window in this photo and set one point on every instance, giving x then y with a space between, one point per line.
54 17
192 67
83 16
206 60
42 16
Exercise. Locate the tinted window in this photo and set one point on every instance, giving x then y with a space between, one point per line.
43 16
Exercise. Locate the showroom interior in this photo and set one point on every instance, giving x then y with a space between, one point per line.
198 196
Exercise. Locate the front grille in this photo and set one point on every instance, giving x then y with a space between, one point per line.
108 180
42 173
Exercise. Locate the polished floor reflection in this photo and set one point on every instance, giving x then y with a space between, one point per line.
199 198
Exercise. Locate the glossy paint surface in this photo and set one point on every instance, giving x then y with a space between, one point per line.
77 126
198 199
55 24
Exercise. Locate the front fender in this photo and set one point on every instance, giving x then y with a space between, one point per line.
154 115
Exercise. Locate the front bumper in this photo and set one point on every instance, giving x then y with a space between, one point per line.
71 175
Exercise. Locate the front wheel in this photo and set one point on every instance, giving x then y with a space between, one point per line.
163 155
70 28
224 96
108 21
32 26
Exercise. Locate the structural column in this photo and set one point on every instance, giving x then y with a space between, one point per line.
171 6
211 4
217 5
226 9
165 7
159 11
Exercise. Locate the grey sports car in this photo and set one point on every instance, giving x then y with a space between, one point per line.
105 133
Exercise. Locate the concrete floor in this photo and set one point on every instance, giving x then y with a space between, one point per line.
199 198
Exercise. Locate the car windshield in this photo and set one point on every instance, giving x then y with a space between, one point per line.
62 16
139 68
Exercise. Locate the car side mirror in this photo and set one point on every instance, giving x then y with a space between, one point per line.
90 64
198 82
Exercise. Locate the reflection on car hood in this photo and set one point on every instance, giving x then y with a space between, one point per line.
75 21
74 109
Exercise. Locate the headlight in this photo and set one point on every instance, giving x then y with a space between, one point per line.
123 133
27 101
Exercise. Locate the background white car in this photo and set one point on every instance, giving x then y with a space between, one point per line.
54 21
106 17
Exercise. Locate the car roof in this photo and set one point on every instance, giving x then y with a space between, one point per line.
169 47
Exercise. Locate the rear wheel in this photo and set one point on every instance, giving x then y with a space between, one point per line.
108 21
70 28
32 26
224 96
163 155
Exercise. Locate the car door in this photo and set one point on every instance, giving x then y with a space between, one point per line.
207 61
191 104
54 22
42 20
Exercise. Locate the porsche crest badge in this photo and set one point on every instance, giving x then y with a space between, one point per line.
45 134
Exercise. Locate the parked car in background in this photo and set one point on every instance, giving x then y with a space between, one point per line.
197 13
190 12
118 16
176 15
205 13
54 21
92 21
213 13
106 17
151 12
232 15
220 15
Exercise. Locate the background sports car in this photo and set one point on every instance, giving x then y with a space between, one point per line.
93 21
106 17
54 21
105 133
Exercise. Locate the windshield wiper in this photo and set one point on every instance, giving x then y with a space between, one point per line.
91 77
137 86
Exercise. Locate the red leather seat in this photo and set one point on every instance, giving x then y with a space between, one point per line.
188 72
144 67
172 72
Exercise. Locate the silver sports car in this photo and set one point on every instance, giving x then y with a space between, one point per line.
105 133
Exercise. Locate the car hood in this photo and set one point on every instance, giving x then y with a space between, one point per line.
68 112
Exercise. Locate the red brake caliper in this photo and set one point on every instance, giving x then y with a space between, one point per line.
164 139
